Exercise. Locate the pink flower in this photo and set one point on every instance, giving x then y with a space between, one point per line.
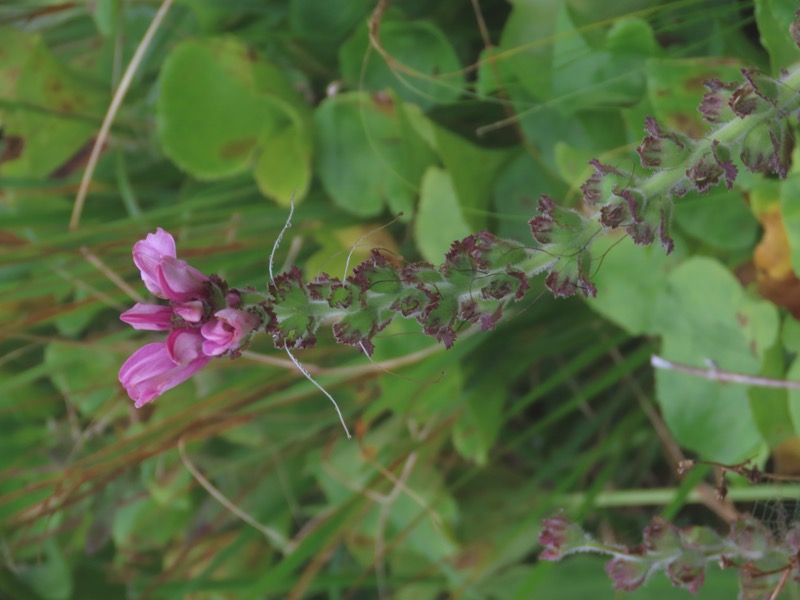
199 327
155 368
163 274
227 330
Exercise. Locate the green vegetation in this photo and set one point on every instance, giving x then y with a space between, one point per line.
393 130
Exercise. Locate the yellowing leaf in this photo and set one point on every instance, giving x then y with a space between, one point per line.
772 258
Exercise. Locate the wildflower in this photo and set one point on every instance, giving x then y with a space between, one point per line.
204 320
155 368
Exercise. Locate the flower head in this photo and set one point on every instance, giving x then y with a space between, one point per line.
204 319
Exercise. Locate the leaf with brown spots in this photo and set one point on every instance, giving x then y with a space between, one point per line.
775 276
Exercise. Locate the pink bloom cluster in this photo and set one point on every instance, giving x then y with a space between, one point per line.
203 318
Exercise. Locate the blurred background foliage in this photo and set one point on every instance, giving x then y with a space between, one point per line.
459 114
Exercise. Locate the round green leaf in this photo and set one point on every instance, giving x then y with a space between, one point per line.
720 219
629 281
209 115
472 168
223 110
705 315
283 168
368 154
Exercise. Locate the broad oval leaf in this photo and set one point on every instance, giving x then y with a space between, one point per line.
223 110
705 315
368 154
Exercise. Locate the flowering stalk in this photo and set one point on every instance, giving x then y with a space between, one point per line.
481 274
749 123
764 561
480 277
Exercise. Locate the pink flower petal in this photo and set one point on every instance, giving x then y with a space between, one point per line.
147 255
218 337
191 312
150 372
184 345
180 282
151 317
227 330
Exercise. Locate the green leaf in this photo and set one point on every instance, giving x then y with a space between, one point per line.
774 18
221 108
573 163
198 80
770 406
428 536
144 525
55 113
17 48
588 78
629 281
439 220
631 36
85 377
425 69
527 38
106 16
720 219
790 335
476 430
50 576
368 155
704 314
793 374
790 211
517 187
332 19
430 390
472 168
493 72
71 323
283 168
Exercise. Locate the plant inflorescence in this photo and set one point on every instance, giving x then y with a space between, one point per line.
481 276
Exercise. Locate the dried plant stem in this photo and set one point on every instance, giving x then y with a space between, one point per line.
276 538
118 281
724 376
111 113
